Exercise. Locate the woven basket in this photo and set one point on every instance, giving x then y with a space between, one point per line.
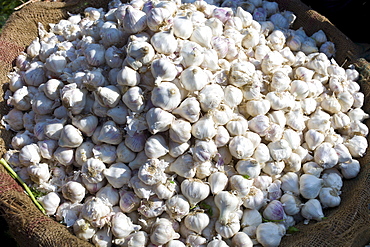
347 225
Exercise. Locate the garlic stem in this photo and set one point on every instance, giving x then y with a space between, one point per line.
27 189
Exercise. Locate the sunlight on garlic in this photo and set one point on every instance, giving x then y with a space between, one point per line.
184 123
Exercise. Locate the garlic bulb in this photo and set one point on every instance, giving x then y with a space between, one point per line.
274 211
96 211
177 207
194 190
217 182
249 167
50 202
158 120
162 232
196 221
156 146
312 210
117 174
189 109
351 169
73 191
204 128
241 239
134 99
122 225
194 78
83 229
310 186
166 95
163 70
270 234
229 229
241 147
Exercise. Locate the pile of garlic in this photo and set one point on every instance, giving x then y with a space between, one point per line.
161 123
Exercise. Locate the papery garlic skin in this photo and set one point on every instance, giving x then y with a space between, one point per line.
270 234
50 202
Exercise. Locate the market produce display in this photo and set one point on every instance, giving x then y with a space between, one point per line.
161 123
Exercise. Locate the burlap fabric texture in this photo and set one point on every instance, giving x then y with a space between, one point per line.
347 225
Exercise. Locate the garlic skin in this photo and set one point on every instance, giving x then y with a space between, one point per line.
310 186
177 207
312 210
270 234
351 169
83 229
329 197
50 202
96 211
196 221
166 96
194 190
158 120
241 239
189 109
162 232
217 182
117 174
74 191
227 203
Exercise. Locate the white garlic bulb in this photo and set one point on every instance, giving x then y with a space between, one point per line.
196 221
189 109
241 147
312 209
74 191
117 174
310 186
162 232
194 190
270 234
194 78
158 120
83 229
50 202
217 182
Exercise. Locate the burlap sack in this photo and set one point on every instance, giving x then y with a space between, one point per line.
347 225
